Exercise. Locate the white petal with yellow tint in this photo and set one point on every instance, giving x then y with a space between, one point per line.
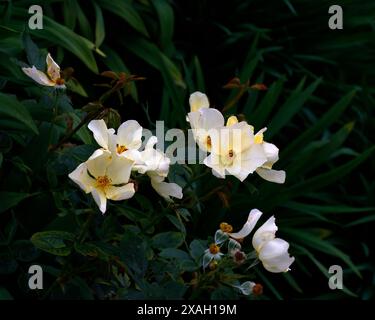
120 193
119 169
241 136
272 154
38 76
197 101
213 162
81 177
129 135
275 257
100 131
258 138
249 160
100 199
53 69
97 164
264 234
277 176
252 220
206 119
167 190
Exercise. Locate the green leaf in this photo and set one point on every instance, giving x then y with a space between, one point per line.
83 22
318 153
10 199
324 122
125 10
363 220
134 251
74 86
322 268
167 240
91 250
177 223
329 177
323 245
175 254
63 36
197 248
166 21
293 104
34 57
10 107
269 285
53 242
264 109
99 26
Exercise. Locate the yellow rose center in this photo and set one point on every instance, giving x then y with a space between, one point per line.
225 227
103 182
121 149
214 249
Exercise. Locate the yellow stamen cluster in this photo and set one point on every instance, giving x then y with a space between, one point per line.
121 149
225 227
103 182
214 249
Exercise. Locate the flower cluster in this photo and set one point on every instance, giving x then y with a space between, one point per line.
106 174
234 148
272 252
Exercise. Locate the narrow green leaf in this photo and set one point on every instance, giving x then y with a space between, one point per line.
125 10
166 22
324 122
318 153
329 177
323 245
290 108
63 36
99 25
367 219
322 268
261 113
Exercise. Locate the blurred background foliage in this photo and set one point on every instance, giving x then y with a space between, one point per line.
319 110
